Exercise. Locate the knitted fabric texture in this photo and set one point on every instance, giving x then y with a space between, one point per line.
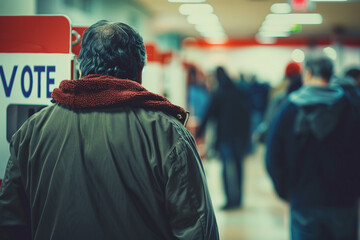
101 90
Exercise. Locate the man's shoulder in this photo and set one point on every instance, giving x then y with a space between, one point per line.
286 108
38 115
167 130
353 103
26 129
158 119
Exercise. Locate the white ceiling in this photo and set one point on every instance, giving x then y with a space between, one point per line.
243 18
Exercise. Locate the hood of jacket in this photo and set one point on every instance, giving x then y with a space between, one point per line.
97 90
320 109
345 81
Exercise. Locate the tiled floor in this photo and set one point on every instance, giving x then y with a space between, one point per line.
263 216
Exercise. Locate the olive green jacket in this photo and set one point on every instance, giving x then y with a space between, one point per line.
105 173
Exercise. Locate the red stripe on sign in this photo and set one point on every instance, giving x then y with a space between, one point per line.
35 34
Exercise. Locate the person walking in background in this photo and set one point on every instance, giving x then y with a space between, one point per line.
354 73
313 157
108 160
197 100
348 84
230 108
293 82
198 95
259 93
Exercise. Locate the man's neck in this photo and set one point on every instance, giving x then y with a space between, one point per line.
318 82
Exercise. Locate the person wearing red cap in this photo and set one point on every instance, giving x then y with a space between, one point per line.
292 68
293 75
293 82
108 160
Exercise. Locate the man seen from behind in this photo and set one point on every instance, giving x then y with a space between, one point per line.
107 160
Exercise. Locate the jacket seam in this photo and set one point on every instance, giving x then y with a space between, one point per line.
194 204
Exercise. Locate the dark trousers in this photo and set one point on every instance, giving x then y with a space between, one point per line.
232 159
340 223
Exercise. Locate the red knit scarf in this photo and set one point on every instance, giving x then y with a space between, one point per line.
101 90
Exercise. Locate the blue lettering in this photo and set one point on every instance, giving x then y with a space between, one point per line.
8 88
49 80
26 69
39 70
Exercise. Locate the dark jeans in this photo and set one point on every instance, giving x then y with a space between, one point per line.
324 223
232 158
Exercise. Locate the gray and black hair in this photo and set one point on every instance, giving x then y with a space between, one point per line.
320 67
353 73
112 48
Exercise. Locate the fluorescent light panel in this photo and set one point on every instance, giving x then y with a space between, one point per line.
298 55
280 8
192 9
274 34
276 28
265 40
283 24
330 52
295 18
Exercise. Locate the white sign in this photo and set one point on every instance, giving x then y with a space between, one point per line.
27 79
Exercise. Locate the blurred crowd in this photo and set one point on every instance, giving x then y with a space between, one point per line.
309 124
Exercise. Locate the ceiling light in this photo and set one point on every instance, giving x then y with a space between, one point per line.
203 18
295 18
276 28
271 22
190 9
186 1
274 34
280 8
265 40
298 55
330 52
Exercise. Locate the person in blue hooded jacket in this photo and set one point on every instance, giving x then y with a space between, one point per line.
313 158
